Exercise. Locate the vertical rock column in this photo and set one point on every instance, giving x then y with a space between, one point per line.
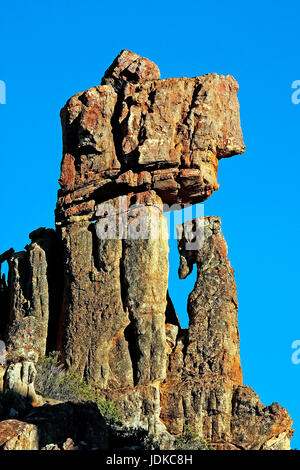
213 336
94 319
146 269
116 293
205 362
31 277
203 389
4 297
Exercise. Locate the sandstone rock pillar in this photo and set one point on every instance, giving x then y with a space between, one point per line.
116 293
213 336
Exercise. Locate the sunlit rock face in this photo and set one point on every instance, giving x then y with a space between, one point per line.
136 132
203 389
96 288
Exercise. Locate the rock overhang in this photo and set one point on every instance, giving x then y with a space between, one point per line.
135 133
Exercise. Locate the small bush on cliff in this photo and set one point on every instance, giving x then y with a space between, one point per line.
53 381
190 440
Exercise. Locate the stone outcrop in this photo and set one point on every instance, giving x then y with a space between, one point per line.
136 132
34 279
96 288
33 292
203 389
19 379
18 435
115 337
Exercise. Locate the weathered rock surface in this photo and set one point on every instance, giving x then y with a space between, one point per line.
19 379
96 288
213 336
34 287
113 331
203 389
18 435
33 291
136 132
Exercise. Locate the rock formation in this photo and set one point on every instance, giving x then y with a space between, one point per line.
17 435
204 388
137 132
96 288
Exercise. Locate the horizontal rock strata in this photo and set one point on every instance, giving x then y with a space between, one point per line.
136 132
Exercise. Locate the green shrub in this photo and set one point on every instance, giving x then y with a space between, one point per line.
190 440
53 381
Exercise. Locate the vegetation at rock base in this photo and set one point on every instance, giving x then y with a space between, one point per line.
53 381
190 440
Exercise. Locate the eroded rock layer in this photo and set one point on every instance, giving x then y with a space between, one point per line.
136 132
96 288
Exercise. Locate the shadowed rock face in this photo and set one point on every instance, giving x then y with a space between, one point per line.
137 132
34 290
131 146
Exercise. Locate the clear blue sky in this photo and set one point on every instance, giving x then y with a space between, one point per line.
53 49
